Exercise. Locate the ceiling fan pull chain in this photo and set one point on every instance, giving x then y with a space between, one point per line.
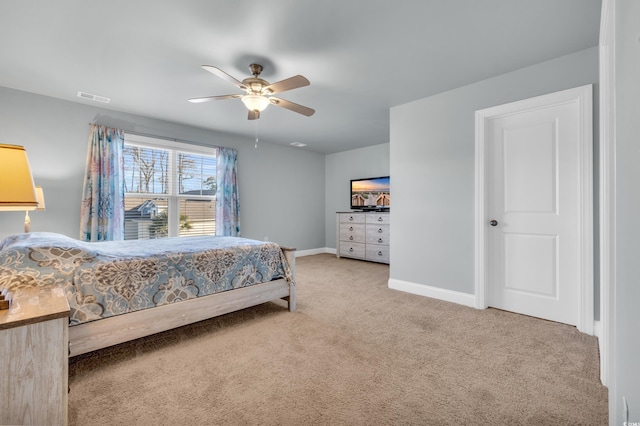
256 133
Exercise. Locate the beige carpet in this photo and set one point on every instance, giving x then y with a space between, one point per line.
355 353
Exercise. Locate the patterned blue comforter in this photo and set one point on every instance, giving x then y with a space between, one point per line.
115 277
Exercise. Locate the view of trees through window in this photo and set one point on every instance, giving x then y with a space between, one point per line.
168 192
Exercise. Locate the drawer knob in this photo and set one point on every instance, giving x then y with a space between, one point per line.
351 228
350 217
380 231
350 249
379 218
351 237
380 240
379 253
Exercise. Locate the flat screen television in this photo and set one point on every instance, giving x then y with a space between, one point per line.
370 194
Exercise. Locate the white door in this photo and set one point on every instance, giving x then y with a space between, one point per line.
534 208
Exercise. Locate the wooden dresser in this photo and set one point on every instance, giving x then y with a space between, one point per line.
363 235
34 347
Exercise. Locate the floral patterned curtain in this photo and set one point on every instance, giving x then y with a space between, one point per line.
102 210
227 199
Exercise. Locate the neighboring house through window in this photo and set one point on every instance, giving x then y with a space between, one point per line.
170 188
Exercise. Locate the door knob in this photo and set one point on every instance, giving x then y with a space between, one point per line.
493 223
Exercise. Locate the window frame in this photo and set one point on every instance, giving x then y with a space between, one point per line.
173 196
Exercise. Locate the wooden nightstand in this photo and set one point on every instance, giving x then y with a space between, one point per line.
34 348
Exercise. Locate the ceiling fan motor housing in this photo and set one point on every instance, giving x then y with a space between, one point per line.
256 85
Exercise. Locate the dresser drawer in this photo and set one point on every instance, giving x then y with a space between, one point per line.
352 217
352 232
352 250
380 218
377 234
376 253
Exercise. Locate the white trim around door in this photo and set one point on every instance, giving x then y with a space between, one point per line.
607 201
582 96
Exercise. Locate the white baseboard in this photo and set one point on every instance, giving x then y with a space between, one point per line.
310 252
465 299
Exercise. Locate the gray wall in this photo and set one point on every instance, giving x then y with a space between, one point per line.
340 168
432 167
281 188
627 294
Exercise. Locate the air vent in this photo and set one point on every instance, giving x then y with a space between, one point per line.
92 97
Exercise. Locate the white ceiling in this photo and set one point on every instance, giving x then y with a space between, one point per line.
362 57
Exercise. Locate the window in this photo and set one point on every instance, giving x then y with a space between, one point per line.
169 189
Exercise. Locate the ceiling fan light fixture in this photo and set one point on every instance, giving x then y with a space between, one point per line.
255 102
258 92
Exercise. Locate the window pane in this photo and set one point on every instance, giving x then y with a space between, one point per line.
168 192
146 170
197 217
145 218
196 174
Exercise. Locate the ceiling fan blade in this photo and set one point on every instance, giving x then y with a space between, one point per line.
253 115
286 84
213 98
223 75
300 109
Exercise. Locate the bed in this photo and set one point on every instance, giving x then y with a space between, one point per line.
122 290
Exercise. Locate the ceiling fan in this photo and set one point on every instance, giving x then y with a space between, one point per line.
258 92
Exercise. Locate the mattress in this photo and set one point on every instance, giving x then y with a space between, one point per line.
104 279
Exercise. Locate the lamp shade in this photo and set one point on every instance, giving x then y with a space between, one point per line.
16 183
40 198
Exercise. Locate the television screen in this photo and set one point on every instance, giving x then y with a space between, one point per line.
370 193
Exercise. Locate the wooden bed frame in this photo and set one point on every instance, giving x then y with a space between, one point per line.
110 331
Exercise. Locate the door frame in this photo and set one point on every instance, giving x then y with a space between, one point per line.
583 97
607 152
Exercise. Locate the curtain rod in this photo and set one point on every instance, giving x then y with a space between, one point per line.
166 138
